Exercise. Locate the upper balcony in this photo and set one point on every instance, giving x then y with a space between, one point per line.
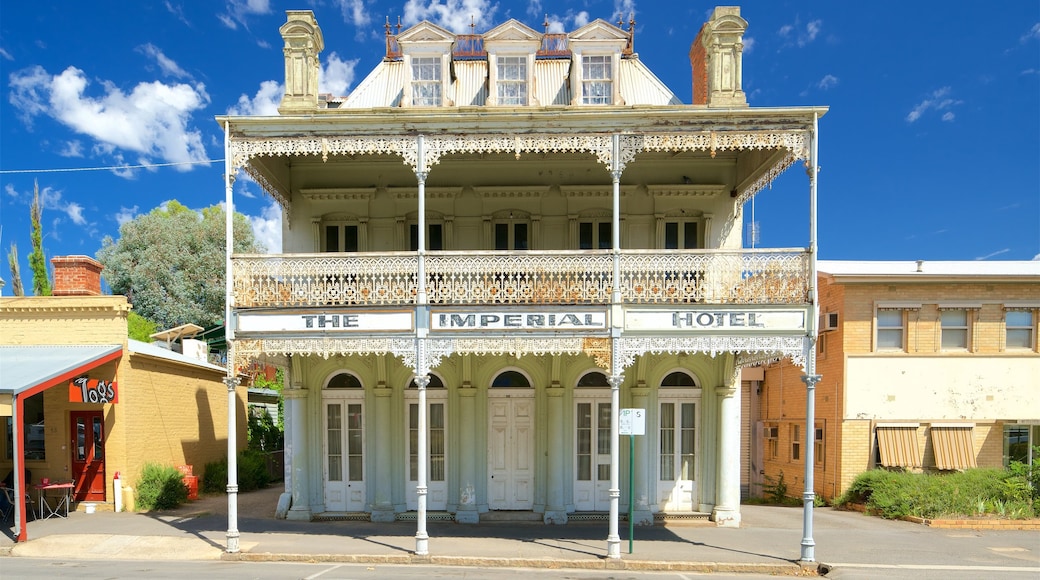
774 276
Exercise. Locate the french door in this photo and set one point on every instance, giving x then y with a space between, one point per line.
592 454
436 439
344 468
676 465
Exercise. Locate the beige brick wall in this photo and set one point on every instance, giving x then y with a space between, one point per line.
63 320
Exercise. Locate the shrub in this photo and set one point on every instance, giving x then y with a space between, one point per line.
896 494
161 487
776 489
264 435
252 473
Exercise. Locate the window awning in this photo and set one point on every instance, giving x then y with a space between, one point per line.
29 369
952 447
898 446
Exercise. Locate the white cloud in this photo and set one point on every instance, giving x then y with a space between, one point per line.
6 54
72 148
239 10
125 214
168 66
939 101
354 12
1034 32
828 82
455 15
559 24
795 34
994 254
75 213
51 200
267 227
749 44
152 120
177 11
264 103
336 76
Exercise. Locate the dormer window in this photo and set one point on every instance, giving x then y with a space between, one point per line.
596 81
512 80
426 81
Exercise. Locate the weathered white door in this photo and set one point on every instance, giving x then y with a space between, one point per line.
344 455
676 466
510 453
436 439
592 455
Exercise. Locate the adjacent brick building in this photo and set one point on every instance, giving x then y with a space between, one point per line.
169 408
925 366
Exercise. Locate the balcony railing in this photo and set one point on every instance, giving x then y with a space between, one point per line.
515 278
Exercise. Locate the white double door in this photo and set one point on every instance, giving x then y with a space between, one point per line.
511 449
676 455
591 454
436 441
344 469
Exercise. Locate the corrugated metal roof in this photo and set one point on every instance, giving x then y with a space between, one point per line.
639 85
382 87
551 86
27 366
138 347
470 82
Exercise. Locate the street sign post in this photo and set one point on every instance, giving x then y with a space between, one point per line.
631 422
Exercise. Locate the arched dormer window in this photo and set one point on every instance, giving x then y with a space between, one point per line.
511 379
344 381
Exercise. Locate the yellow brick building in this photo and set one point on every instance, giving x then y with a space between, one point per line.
925 366
169 408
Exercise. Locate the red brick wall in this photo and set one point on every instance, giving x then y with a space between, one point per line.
699 64
76 276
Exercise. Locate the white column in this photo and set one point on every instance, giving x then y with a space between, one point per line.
296 413
467 512
383 505
556 510
422 539
727 504
231 380
613 538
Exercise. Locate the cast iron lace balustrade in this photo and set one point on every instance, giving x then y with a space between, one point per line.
535 277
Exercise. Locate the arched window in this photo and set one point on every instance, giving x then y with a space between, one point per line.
593 379
344 381
679 379
435 383
511 379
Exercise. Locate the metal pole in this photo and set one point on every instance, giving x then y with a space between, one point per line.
231 380
631 489
811 378
613 538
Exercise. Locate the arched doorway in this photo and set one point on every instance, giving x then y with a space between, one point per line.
592 442
678 405
343 400
511 442
436 438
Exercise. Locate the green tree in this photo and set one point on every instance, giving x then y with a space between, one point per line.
169 263
140 328
16 276
37 259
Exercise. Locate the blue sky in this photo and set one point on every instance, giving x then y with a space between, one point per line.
931 148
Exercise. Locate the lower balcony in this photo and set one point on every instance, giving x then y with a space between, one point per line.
775 276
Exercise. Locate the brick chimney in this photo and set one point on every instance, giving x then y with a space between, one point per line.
76 276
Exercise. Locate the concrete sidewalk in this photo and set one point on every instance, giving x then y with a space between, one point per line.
768 542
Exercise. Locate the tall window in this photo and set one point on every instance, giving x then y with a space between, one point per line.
512 80
818 447
772 441
35 444
511 236
796 442
594 235
890 330
680 235
597 87
955 329
426 82
341 238
434 236
1019 329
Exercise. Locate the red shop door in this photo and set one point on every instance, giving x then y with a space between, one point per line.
88 455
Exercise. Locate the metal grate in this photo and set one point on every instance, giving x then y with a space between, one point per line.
430 517
342 517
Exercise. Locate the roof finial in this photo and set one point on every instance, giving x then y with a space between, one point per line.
388 25
546 23
621 21
472 25
399 24
631 32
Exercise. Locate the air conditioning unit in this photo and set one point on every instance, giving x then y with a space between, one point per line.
828 321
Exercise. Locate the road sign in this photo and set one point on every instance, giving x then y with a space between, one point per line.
632 422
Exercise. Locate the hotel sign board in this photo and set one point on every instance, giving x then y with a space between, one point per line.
716 320
530 320
326 322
